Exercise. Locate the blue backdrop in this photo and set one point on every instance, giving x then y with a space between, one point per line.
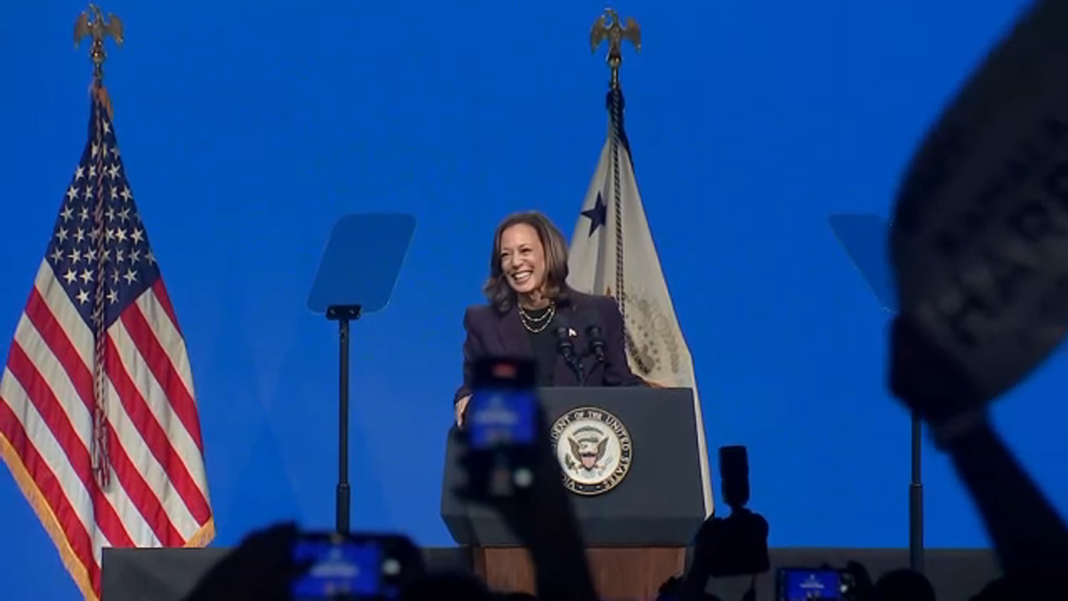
249 127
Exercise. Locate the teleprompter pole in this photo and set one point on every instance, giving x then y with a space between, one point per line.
343 315
916 498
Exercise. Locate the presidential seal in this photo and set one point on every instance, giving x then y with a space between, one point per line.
594 450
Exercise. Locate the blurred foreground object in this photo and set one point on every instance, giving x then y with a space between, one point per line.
979 245
261 568
283 563
733 546
738 544
979 250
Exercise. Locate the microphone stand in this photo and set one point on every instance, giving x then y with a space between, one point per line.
585 378
566 348
596 347
576 366
600 361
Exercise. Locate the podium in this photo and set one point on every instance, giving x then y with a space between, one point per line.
636 532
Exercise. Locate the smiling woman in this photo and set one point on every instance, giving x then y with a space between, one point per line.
532 313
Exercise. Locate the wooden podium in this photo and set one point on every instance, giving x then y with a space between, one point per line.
636 533
618 572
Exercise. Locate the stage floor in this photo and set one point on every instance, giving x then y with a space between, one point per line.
169 574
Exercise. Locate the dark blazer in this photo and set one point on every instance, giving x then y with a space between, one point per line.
491 333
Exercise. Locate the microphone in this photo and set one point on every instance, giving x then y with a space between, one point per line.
566 347
593 333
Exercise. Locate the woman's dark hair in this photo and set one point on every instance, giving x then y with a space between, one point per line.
500 294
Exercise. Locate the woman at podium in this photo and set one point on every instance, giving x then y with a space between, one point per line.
575 339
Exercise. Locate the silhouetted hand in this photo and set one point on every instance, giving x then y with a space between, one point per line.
997 590
676 589
703 556
903 584
542 517
447 585
545 501
259 569
863 585
927 381
460 410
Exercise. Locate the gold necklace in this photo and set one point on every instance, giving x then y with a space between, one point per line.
547 314
534 325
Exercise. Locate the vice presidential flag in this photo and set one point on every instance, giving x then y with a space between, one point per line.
612 252
98 416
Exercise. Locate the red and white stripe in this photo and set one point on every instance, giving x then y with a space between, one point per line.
158 495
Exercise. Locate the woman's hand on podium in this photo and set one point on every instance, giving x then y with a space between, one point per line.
461 409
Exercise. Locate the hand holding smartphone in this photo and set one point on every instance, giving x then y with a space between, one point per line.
354 566
500 430
801 584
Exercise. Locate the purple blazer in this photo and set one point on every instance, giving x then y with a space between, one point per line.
490 333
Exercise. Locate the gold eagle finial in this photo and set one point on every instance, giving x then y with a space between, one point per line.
608 27
98 28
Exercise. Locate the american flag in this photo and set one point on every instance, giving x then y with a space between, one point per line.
98 416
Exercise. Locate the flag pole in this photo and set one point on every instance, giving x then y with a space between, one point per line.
98 28
610 28
611 203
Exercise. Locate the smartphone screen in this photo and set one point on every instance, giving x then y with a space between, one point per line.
801 584
501 429
342 568
501 417
503 404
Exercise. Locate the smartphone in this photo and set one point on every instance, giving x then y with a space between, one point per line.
799 584
500 427
501 411
354 566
